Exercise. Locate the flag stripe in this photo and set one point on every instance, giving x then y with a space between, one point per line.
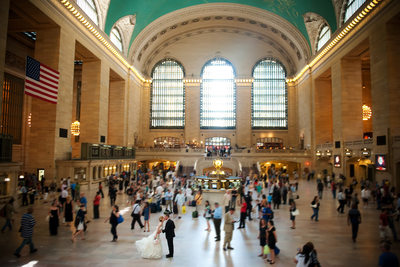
40 96
41 85
41 81
37 89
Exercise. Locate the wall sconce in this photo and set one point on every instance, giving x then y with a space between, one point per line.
21 177
365 152
7 179
318 153
76 128
366 112
329 153
348 152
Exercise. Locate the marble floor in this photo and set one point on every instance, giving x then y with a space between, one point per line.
196 247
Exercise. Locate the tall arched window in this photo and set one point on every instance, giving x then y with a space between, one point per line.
167 106
218 95
323 37
115 37
269 95
351 7
89 8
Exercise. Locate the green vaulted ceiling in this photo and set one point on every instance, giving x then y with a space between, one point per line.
149 10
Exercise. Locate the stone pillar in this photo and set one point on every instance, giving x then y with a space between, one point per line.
94 101
134 107
293 133
55 48
5 6
323 110
243 115
192 112
116 113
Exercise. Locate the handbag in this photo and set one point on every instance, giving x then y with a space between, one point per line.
120 219
266 250
183 209
47 218
295 212
80 226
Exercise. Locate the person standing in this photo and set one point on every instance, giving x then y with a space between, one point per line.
271 240
27 224
228 228
54 214
96 205
146 216
9 212
243 211
136 215
354 218
113 219
180 201
207 215
320 188
387 258
168 200
249 205
83 200
333 188
263 236
24 192
226 200
73 186
217 218
101 190
276 196
169 234
68 211
315 206
293 213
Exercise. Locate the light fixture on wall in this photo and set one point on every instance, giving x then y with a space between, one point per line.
328 153
318 153
76 128
366 112
348 152
30 120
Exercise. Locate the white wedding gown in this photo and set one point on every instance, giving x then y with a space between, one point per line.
150 248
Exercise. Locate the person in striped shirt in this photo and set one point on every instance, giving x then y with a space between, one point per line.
27 224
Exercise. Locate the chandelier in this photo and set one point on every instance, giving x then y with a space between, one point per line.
76 128
366 112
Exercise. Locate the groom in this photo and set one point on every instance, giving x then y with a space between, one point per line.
169 233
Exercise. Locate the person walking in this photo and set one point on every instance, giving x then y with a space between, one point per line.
354 218
27 224
80 223
168 200
96 205
54 214
303 258
113 220
387 258
320 188
249 199
136 215
226 200
342 201
9 212
228 228
315 206
217 218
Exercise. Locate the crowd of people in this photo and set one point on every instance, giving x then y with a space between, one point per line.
256 198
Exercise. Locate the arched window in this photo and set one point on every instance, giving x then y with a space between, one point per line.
323 37
115 37
269 95
89 8
218 95
351 7
167 106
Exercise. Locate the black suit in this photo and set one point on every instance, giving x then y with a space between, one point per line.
169 235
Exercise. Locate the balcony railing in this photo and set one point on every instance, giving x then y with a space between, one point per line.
100 151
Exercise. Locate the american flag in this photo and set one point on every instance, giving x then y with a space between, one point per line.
41 81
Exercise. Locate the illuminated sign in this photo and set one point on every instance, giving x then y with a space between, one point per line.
380 162
337 162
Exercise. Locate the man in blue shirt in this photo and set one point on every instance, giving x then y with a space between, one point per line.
387 258
217 213
168 200
83 200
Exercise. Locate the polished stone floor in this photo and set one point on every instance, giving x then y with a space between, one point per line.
196 247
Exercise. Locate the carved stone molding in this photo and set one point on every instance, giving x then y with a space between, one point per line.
126 26
314 23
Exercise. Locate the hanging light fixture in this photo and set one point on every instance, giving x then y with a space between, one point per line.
76 128
366 112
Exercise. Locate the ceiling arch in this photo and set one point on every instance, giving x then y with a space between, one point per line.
149 11
273 35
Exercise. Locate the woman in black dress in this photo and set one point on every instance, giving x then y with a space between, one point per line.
263 236
54 215
113 219
68 211
271 240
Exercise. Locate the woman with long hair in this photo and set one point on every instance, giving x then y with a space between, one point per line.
54 214
146 215
263 236
68 210
80 223
303 258
315 206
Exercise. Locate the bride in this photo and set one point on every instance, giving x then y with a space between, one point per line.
150 247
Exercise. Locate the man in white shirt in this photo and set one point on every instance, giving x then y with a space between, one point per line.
136 215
